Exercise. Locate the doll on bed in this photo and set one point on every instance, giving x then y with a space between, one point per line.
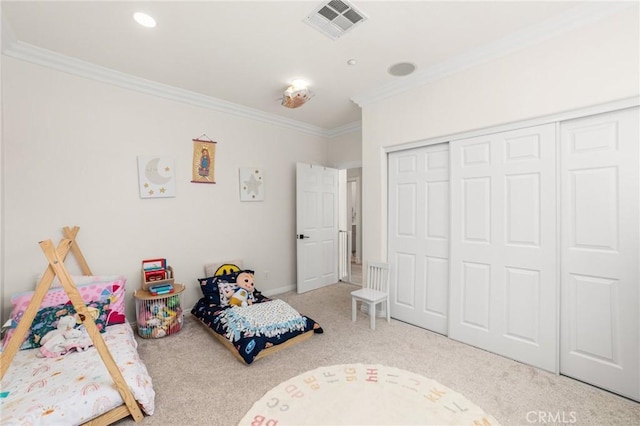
242 293
64 339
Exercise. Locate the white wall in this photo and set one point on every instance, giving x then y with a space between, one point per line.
70 146
345 151
587 66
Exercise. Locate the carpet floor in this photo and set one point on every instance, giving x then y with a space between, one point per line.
198 382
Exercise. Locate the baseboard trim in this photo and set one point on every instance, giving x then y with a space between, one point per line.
279 290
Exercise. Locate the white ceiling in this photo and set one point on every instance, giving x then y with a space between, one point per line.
247 53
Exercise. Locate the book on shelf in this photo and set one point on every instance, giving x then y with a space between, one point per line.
154 264
159 287
161 292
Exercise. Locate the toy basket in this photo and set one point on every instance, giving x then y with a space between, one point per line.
159 316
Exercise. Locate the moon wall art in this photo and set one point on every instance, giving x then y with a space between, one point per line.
156 177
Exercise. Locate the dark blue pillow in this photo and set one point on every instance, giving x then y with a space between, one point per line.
209 286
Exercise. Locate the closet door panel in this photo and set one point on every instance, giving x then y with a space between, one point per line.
405 294
476 201
476 290
503 294
522 218
600 330
522 299
419 236
436 296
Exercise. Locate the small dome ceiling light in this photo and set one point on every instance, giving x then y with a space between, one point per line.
296 95
144 20
352 62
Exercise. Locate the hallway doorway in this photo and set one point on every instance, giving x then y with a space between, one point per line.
354 217
350 222
356 273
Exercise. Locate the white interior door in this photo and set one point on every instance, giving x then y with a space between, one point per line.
600 279
317 226
503 244
419 236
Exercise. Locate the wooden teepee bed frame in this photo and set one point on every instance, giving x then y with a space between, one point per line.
56 257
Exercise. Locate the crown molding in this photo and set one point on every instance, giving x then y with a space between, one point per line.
30 53
348 165
354 126
569 20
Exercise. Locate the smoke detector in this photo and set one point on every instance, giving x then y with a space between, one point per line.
335 18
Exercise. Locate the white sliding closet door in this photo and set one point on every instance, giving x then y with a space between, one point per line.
600 273
503 295
419 236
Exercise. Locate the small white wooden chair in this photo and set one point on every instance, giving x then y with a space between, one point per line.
374 291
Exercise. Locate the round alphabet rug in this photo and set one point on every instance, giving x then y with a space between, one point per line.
361 394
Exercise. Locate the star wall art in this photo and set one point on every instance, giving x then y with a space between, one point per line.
156 177
251 184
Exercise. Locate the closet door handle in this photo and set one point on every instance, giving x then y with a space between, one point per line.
302 236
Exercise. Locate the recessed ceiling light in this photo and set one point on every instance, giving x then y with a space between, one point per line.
352 62
401 69
144 19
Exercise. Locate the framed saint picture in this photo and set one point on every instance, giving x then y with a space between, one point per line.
204 155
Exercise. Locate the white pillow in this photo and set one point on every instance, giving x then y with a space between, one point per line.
210 269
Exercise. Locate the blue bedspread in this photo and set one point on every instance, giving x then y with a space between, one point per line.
251 330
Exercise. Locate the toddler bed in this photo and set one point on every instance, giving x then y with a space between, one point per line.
97 382
74 388
246 322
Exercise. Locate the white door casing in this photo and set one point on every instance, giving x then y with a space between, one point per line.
600 276
418 236
317 226
503 294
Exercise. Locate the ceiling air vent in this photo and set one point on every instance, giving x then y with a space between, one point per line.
335 18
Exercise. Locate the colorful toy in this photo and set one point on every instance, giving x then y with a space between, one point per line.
242 294
158 319
173 302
